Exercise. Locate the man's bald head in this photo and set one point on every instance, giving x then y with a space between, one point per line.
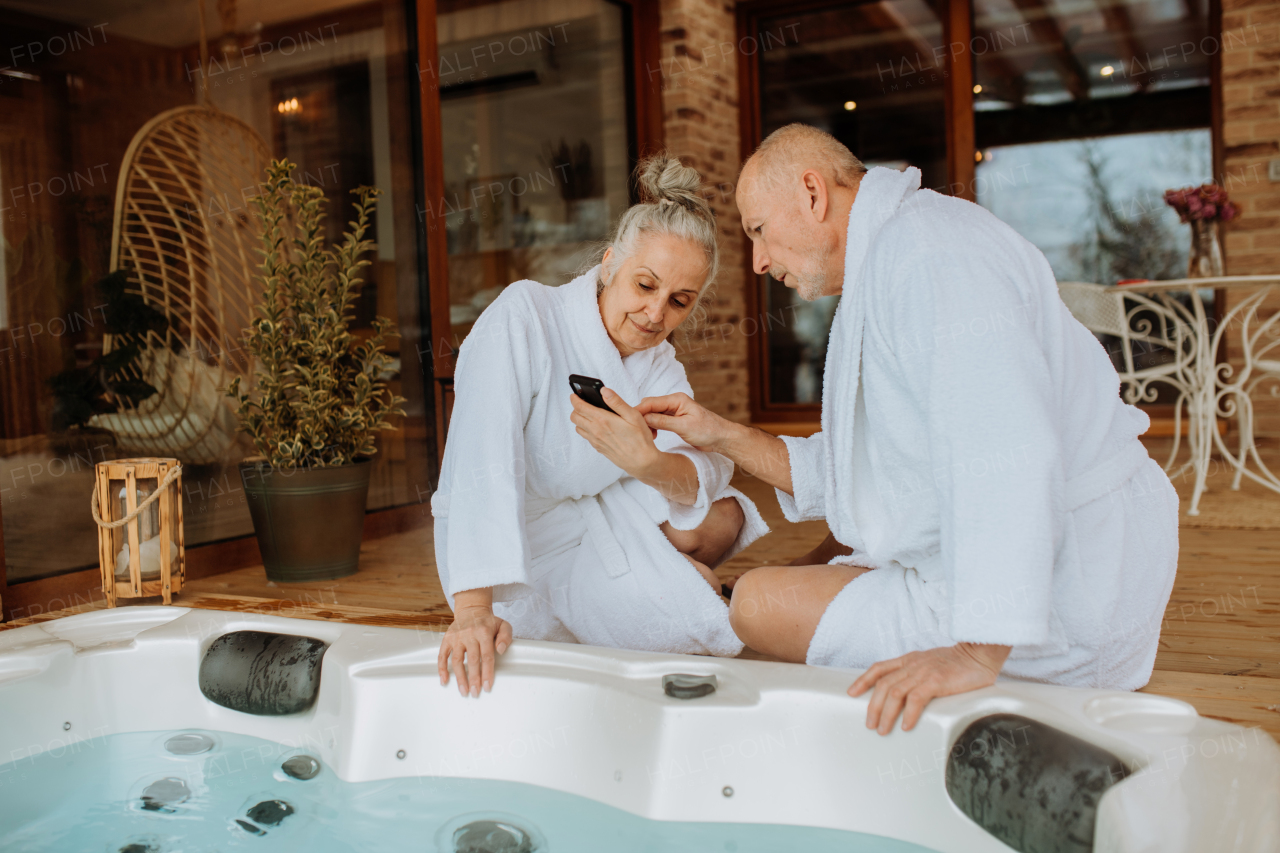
791 150
794 195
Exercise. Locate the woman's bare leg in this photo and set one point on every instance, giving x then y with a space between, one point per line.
776 609
709 541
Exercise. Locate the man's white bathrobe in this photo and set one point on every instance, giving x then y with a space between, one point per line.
975 451
569 542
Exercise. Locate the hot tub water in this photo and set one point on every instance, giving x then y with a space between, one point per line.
201 792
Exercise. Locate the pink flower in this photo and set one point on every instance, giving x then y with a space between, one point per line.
1205 202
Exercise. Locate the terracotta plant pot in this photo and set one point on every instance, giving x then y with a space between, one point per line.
308 521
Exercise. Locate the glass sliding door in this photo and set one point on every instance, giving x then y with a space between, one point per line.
872 75
1075 120
534 112
328 88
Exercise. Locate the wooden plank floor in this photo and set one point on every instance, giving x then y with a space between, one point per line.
1219 647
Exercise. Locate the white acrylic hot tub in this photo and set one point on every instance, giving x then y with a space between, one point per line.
774 744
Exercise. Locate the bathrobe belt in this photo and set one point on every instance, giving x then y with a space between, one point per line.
1105 478
591 511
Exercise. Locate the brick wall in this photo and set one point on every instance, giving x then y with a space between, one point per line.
1251 138
699 77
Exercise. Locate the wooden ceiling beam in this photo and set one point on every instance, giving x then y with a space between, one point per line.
1048 31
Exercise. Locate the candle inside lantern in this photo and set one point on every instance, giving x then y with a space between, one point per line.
148 541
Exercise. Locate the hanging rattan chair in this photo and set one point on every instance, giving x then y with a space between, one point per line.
186 229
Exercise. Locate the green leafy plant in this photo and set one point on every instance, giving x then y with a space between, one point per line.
320 397
107 382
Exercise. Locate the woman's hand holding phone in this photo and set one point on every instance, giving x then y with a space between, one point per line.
627 441
620 435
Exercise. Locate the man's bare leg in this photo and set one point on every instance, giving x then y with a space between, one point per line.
827 550
709 541
776 609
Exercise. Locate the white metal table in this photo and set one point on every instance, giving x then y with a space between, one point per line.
1207 389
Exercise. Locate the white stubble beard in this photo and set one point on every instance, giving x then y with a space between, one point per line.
812 283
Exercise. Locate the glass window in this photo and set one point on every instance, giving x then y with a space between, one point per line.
1095 207
872 75
533 103
1084 116
329 90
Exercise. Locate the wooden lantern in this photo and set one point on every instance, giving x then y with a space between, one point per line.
137 504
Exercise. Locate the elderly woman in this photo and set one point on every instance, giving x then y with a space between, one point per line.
557 520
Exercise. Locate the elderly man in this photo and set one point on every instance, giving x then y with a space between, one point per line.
991 508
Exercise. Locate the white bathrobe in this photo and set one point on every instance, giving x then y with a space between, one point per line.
568 541
975 451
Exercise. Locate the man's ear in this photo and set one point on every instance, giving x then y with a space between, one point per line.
815 187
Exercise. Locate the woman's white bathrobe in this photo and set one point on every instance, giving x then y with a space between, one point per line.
975 452
569 542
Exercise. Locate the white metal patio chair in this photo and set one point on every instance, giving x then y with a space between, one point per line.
1261 366
1128 317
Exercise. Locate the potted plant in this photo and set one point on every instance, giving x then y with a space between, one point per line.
320 395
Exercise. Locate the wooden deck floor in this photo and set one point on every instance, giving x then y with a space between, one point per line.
1219 648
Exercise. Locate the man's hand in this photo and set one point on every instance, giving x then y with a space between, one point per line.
680 414
907 684
754 451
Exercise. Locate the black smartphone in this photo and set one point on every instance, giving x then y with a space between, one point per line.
588 389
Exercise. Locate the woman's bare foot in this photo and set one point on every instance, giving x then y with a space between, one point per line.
707 575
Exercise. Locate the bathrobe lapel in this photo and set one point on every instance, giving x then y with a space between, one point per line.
880 194
601 358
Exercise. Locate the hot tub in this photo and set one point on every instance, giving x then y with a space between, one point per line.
110 743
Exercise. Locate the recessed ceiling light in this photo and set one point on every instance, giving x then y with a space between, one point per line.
977 89
850 105
1107 71
977 156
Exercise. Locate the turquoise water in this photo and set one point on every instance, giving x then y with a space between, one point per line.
200 792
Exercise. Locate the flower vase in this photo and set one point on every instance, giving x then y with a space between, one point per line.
1206 250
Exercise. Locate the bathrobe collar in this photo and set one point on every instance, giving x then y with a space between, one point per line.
603 361
881 193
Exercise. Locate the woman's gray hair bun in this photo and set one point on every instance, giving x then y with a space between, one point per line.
671 202
663 179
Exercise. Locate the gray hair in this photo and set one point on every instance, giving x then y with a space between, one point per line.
670 204
800 146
